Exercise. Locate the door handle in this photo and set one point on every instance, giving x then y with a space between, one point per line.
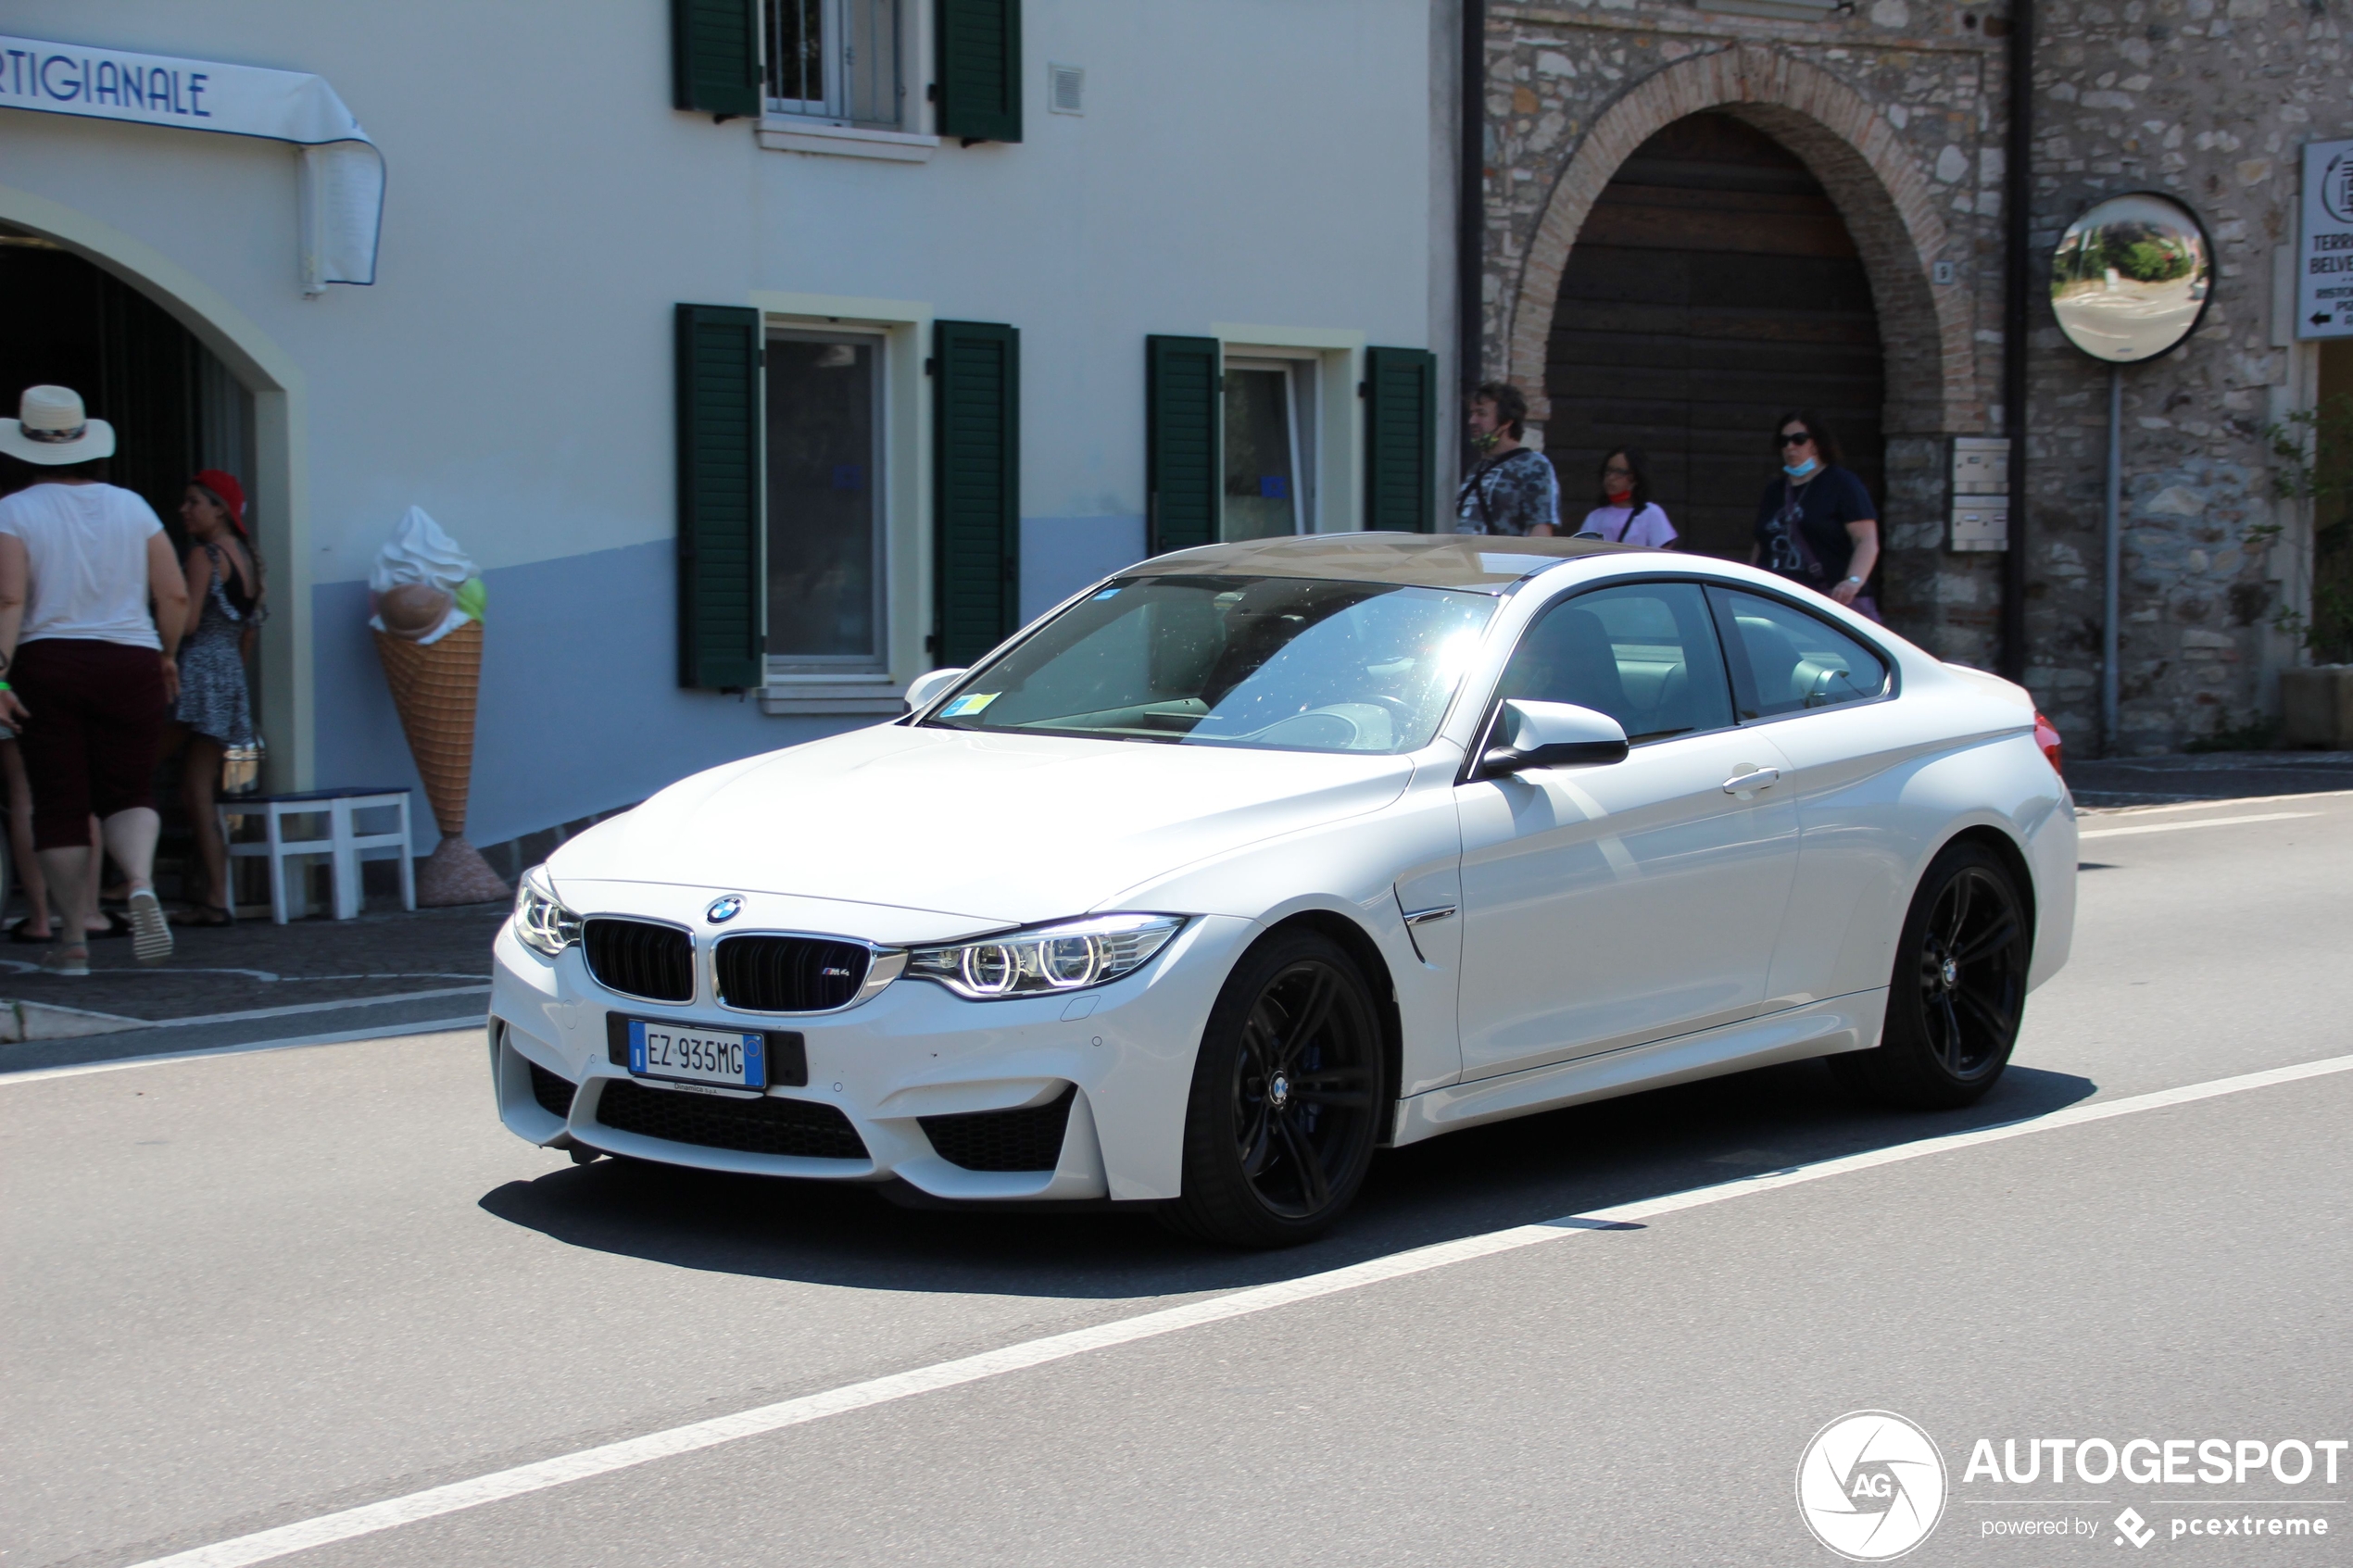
1747 783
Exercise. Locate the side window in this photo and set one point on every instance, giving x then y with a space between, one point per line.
1644 654
1785 661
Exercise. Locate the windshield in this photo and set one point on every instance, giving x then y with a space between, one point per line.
1295 664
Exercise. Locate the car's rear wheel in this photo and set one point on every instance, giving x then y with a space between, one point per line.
1287 1097
1958 991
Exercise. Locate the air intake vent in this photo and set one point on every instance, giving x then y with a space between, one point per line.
553 1094
1066 89
1003 1140
638 958
768 1125
789 973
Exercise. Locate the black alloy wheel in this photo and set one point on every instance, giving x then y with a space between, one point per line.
1287 1097
1958 992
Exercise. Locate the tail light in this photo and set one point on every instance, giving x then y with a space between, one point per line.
2046 736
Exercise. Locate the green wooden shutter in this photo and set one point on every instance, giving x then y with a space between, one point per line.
1184 417
975 486
715 55
721 635
979 69
1401 439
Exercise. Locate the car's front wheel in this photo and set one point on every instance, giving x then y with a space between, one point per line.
1955 1001
1286 1101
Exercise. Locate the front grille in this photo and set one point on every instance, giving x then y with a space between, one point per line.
553 1094
767 1125
639 958
789 973
1003 1140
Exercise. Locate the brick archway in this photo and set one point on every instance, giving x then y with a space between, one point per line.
1887 200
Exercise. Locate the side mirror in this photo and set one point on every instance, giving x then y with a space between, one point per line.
1551 734
929 684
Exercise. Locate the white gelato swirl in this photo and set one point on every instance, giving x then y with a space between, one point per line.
419 552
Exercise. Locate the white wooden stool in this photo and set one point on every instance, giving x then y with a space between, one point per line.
343 845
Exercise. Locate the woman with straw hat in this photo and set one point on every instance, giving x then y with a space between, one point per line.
85 676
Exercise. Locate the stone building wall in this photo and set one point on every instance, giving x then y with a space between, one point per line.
1900 106
2208 101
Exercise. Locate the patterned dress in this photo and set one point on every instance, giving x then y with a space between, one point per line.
213 699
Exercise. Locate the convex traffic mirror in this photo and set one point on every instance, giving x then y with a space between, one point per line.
2130 277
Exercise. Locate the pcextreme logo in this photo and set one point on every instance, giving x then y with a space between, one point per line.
1871 1485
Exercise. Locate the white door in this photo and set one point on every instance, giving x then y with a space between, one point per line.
1603 907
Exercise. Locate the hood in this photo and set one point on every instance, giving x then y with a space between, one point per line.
1005 830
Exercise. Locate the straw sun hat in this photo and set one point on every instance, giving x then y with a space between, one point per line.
51 429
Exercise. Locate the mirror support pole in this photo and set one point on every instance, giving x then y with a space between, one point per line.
2017 196
2112 565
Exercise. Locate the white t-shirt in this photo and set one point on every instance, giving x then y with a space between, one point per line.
1622 525
88 548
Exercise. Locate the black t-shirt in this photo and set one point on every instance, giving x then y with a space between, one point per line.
1826 503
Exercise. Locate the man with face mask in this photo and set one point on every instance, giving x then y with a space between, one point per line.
1513 490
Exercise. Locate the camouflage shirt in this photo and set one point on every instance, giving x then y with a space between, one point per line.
1509 494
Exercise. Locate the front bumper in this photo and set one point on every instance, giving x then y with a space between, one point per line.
1119 1059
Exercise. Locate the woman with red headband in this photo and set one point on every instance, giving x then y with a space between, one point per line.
215 710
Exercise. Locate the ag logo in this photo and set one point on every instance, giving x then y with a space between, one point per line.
1871 1485
2336 188
725 908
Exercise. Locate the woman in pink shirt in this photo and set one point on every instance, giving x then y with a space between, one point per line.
1627 515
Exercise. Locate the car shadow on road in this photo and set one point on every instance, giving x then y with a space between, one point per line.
1487 1178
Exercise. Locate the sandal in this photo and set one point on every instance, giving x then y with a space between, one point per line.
17 933
67 961
116 926
151 939
205 914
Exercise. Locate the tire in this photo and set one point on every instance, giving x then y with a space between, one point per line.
1287 1097
1959 990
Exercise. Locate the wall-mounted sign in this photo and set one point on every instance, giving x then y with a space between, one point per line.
2324 259
343 175
2130 277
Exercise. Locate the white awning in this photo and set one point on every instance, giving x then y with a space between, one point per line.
342 174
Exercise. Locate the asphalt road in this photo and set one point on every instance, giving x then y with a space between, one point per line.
246 1291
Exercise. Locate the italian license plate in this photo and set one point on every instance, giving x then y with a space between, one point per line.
687 1055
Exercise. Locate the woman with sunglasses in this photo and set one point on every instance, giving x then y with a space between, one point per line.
1815 524
1626 515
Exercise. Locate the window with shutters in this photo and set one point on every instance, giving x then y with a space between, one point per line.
827 518
838 62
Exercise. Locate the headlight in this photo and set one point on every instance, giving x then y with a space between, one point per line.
1069 957
541 920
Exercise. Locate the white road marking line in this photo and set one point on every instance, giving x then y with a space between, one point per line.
2210 805
2201 822
374 1518
343 1037
292 1007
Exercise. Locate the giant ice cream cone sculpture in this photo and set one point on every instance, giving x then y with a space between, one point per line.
428 605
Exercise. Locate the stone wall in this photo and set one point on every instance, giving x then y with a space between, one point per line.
1900 108
2207 100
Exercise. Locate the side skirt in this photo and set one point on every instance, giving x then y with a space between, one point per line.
1826 1028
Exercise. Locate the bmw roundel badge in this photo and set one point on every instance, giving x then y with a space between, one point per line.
725 908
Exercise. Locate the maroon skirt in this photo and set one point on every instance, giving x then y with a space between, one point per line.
96 714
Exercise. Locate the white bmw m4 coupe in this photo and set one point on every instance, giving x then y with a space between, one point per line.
1257 857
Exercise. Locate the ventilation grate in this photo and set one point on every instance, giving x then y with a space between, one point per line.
1003 1140
639 958
767 1125
1066 89
553 1094
789 973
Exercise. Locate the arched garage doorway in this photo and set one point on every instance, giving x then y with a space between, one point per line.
1712 284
